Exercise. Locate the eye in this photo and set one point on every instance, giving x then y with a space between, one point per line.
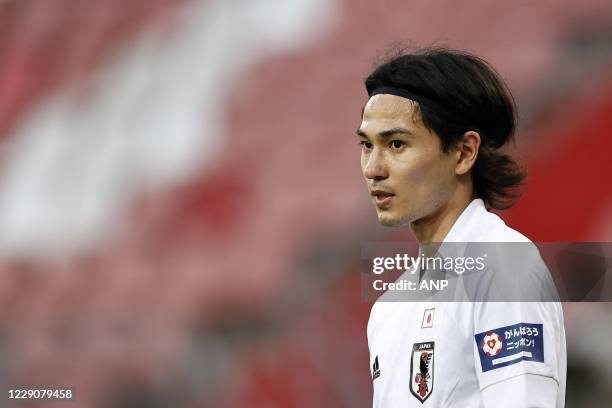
397 144
365 144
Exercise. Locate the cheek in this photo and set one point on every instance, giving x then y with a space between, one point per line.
427 176
421 169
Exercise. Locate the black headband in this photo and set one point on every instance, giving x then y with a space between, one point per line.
423 101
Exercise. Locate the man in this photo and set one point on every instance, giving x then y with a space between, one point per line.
430 134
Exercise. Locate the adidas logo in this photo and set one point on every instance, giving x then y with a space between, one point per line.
375 369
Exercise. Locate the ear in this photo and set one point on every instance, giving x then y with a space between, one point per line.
467 152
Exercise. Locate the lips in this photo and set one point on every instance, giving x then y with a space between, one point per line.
382 198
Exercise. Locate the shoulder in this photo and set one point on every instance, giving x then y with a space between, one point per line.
477 224
494 229
517 270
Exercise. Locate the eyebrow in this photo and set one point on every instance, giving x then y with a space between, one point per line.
387 133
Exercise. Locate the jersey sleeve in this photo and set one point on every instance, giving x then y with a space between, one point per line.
526 390
517 338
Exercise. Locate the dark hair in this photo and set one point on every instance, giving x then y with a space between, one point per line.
472 97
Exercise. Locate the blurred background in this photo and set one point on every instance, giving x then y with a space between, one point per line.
181 204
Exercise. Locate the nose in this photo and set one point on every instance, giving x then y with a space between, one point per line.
376 167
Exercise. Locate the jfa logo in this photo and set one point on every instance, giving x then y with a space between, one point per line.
422 370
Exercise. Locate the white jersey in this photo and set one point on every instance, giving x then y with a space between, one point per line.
468 354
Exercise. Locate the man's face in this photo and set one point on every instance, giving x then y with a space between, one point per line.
408 175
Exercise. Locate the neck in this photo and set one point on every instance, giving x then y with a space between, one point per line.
434 227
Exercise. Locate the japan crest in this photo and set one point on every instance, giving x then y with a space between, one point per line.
422 370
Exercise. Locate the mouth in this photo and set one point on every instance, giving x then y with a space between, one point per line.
382 198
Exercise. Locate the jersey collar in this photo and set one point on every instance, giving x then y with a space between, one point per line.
468 227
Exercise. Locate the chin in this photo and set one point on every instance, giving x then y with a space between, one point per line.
391 220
